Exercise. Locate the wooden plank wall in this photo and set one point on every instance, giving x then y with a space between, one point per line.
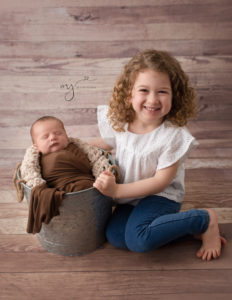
62 57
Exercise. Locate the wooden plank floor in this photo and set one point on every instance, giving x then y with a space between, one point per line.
62 57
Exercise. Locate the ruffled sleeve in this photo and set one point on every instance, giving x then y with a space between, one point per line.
106 131
177 146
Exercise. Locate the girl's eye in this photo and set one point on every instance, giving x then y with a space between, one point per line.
163 92
44 137
143 90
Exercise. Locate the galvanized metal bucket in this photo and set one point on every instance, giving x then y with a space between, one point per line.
80 227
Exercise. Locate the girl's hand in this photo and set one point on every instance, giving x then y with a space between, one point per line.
106 184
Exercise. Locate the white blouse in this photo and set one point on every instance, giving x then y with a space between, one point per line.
140 155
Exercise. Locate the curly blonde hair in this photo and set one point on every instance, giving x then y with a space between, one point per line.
183 99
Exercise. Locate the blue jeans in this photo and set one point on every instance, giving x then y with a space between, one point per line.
153 222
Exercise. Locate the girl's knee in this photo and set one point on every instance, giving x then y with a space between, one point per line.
136 243
137 246
142 239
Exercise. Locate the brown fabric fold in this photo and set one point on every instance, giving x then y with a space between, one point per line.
67 170
44 205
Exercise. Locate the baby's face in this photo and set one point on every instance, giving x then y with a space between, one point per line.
49 136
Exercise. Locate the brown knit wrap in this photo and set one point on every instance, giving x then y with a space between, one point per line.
30 171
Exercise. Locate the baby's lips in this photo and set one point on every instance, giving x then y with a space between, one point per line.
54 144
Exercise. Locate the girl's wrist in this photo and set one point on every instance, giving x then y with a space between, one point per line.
116 191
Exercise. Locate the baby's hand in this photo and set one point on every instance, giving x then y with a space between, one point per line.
106 184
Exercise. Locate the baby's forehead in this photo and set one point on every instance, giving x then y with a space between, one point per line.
51 122
47 125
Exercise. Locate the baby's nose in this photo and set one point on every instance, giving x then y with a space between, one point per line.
53 137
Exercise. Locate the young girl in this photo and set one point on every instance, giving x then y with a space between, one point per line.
150 105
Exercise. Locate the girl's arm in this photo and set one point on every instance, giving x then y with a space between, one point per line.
106 184
99 142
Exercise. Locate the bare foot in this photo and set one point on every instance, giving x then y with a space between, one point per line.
211 240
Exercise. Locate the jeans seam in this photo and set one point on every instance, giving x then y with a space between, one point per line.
180 220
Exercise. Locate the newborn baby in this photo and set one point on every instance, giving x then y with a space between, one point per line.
63 165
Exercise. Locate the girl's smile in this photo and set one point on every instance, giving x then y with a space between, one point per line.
151 100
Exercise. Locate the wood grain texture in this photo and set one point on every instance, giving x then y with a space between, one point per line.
78 66
22 250
62 57
20 5
113 284
106 32
143 14
111 49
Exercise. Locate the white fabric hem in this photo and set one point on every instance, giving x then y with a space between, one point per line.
181 155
